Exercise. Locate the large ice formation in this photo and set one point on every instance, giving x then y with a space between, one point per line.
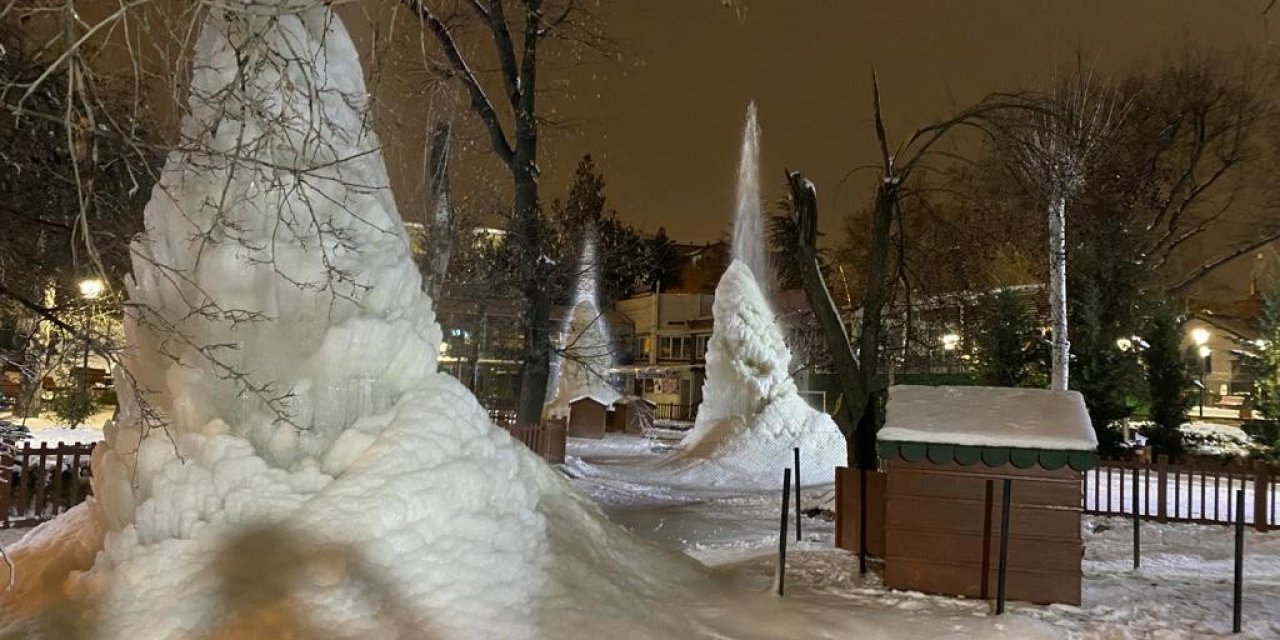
752 414
587 351
299 468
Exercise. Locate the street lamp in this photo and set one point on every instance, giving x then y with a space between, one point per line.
1204 352
950 342
90 289
1200 336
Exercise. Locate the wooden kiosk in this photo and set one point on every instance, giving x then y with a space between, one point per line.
588 417
960 463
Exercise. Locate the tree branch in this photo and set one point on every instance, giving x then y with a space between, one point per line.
1208 267
479 100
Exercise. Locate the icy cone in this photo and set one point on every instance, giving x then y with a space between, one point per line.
287 461
587 349
752 414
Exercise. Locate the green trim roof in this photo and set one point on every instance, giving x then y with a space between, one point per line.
967 456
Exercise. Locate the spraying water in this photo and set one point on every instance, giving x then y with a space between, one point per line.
748 220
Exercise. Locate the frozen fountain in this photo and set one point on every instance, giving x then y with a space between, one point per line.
752 414
587 352
288 461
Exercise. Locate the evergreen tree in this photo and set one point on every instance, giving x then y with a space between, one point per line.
1263 361
624 257
1011 353
1169 381
664 272
1106 376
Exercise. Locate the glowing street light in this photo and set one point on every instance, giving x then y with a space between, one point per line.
950 341
1124 344
91 288
1200 336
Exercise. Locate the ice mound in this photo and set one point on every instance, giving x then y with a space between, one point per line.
751 415
287 461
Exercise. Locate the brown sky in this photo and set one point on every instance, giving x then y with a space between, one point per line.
664 122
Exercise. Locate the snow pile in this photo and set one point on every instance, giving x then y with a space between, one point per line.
988 416
586 349
752 414
299 466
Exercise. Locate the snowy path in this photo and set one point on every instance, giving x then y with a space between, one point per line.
1182 591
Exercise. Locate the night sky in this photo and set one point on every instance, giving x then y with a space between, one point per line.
664 123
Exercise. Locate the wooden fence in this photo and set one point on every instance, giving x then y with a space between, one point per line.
546 439
1200 492
38 483
683 412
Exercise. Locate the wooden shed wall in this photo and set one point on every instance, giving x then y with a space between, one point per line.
587 419
847 512
942 530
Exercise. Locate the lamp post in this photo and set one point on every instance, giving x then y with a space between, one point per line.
1200 336
1204 352
90 289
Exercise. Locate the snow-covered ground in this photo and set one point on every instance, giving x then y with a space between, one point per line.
48 428
1183 589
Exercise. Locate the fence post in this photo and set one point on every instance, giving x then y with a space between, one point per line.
798 514
1162 488
6 482
1237 592
1003 567
1137 523
782 536
1261 491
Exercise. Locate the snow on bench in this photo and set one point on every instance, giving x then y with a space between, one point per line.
988 417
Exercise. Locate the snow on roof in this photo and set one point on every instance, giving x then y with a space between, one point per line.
597 397
989 417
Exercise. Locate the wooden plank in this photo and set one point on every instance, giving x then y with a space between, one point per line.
966 517
1023 584
968 548
42 479
24 481
847 512
58 497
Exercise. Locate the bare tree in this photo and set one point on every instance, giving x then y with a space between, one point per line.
856 360
1073 131
517 31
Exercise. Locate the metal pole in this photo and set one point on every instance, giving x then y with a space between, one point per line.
1002 572
797 449
1204 370
1237 597
1137 528
782 537
84 365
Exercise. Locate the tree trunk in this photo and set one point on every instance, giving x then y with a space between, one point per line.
1061 364
535 371
805 201
859 417
886 206
439 222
